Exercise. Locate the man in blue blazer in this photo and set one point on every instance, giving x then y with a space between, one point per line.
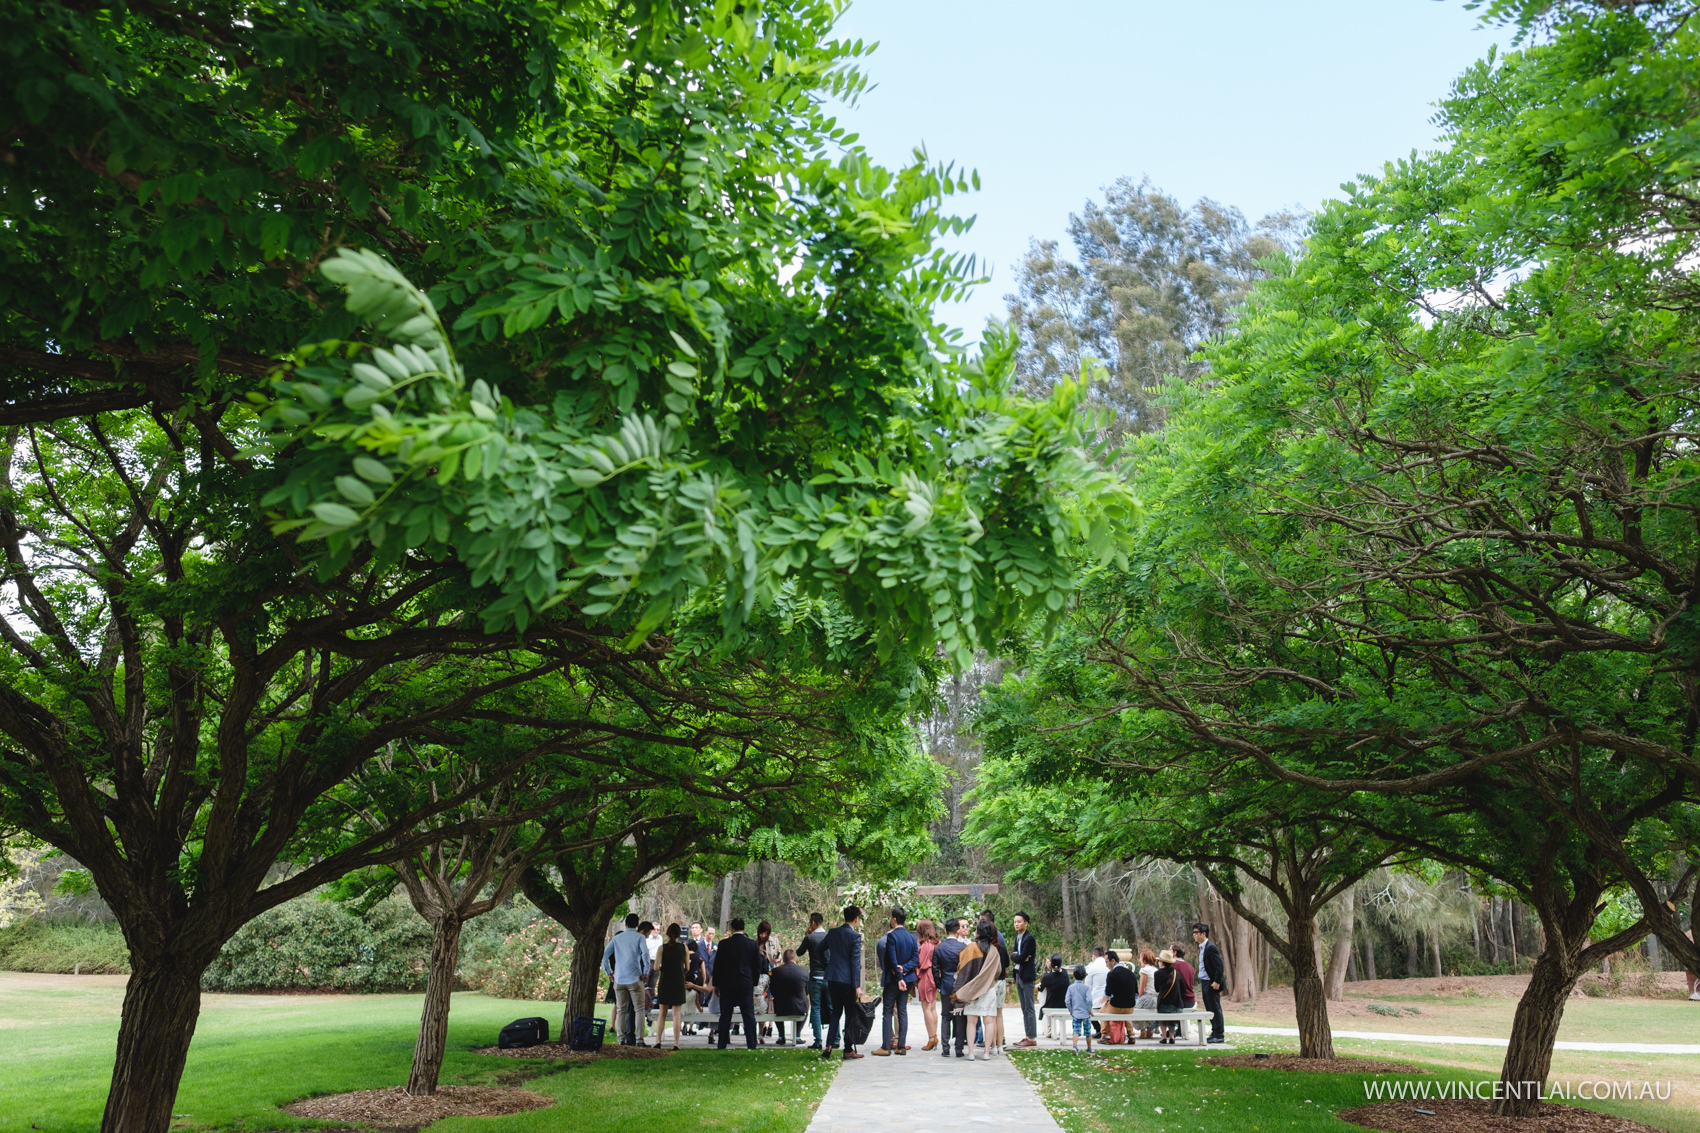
843 980
897 979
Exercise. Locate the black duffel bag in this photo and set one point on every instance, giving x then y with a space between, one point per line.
859 1022
587 1033
524 1032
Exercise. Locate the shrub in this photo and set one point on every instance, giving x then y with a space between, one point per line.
33 945
531 962
312 943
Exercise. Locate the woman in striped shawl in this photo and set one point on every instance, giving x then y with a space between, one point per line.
978 973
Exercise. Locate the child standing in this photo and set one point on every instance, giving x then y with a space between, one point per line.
1080 1008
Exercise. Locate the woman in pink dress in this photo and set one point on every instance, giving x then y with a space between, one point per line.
925 989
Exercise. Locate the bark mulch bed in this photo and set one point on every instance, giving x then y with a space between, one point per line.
1317 1065
561 1052
395 1109
1473 1117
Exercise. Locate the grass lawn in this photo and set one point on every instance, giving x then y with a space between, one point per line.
1176 1092
253 1053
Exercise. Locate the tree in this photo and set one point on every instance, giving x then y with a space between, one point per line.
1155 281
875 808
1056 788
184 687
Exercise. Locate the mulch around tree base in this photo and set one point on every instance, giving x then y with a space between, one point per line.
1316 1065
396 1109
1474 1117
561 1052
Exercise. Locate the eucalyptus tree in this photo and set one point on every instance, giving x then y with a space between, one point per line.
593 193
1154 280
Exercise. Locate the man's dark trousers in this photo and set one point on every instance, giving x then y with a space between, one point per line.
895 1002
1212 998
956 1025
840 1001
747 1008
1024 992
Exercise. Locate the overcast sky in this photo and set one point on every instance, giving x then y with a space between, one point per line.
1258 104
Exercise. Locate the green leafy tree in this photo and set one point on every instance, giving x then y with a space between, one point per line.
1429 533
184 687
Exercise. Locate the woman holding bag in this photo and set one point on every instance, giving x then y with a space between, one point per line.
978 990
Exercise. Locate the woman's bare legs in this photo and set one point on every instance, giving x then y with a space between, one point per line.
930 1016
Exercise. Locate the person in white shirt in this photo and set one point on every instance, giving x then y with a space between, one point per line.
1096 973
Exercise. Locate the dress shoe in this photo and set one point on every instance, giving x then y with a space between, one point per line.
1215 1039
881 1052
1026 1042
815 1045
849 1054
827 1053
902 1050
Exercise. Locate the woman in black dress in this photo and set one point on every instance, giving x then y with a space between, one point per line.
670 964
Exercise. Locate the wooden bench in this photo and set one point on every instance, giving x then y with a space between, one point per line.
700 1018
1143 1015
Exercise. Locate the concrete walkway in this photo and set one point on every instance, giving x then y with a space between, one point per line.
1467 1040
899 1091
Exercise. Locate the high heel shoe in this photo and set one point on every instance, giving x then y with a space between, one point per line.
931 1043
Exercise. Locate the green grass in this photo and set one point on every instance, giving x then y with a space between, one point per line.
1176 1092
254 1053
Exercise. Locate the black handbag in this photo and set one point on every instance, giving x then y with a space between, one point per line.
523 1032
860 1023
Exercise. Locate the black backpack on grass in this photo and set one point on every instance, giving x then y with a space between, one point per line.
524 1032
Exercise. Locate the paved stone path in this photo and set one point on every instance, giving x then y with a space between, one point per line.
903 1090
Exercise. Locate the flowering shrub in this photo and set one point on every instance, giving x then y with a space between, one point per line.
531 962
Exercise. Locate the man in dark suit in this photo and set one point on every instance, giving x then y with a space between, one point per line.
1212 976
1022 952
738 965
897 977
789 987
843 981
946 957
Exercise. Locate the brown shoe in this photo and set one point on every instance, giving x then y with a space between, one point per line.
881 1051
931 1043
902 1050
1026 1042
849 1054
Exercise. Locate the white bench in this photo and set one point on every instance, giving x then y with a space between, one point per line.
1143 1015
713 1021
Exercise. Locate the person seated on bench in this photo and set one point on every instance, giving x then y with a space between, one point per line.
1054 983
1121 993
1147 993
1167 981
788 986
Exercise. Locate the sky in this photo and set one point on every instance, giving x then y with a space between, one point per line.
1261 105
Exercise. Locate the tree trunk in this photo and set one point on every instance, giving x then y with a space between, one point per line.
1068 910
161 1005
586 969
434 1019
1342 953
1411 955
1369 954
1244 973
1310 1001
726 908
1528 1058
1434 942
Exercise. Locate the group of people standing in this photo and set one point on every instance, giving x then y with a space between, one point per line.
959 972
